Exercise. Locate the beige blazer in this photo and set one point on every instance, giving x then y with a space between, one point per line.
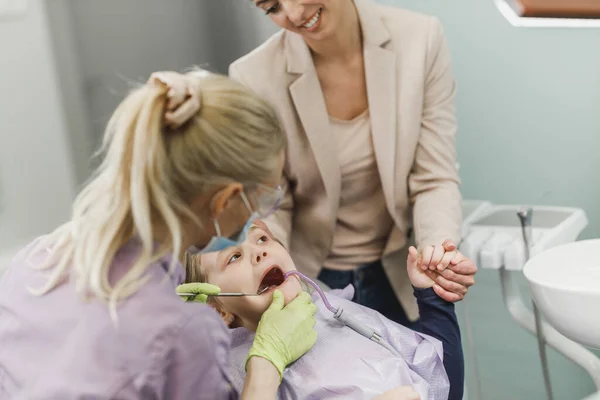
410 91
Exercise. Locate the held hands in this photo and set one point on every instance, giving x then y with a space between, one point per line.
444 268
285 334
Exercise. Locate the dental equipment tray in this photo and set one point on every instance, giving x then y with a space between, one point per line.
493 237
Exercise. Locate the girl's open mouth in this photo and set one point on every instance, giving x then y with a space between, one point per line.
272 279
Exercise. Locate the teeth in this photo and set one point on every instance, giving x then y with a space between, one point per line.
313 20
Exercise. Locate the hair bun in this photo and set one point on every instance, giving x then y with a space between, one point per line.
183 97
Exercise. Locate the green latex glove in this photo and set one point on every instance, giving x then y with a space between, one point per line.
285 334
202 291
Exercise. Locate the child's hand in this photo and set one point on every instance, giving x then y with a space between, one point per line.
418 277
437 258
451 284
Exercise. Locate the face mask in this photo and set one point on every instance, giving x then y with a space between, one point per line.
218 242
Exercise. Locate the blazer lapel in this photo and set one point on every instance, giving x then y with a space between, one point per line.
381 91
380 70
310 105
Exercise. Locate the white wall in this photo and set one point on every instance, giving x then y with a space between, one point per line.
72 86
105 47
36 174
237 27
120 42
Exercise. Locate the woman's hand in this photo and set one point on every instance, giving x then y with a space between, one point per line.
400 393
201 291
453 283
285 334
262 380
448 270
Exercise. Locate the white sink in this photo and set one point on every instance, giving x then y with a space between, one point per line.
565 282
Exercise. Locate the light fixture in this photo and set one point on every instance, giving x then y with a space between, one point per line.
515 19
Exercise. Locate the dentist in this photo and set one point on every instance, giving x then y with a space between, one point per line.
90 310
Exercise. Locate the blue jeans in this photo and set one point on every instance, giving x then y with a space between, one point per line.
372 289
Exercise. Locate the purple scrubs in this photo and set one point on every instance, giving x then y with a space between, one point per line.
58 346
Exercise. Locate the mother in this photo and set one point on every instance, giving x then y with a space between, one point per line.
366 96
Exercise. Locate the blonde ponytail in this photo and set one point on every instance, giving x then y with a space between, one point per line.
149 176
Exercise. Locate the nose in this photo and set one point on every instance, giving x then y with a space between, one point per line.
294 11
259 256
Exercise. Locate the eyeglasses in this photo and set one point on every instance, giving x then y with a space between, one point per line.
263 199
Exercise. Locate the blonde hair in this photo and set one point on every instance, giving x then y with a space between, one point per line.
194 272
151 173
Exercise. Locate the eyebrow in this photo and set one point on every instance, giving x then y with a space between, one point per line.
225 251
261 2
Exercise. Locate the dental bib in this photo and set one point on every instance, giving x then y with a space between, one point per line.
345 365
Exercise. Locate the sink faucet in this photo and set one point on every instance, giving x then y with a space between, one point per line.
525 215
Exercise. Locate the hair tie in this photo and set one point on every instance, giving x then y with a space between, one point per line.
183 100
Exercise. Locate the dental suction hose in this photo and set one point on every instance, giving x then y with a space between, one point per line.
525 217
344 317
315 286
362 329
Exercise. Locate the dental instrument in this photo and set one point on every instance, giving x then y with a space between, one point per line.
233 294
345 318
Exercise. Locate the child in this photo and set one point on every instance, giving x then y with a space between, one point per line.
342 364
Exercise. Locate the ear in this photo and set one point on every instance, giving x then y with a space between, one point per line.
222 198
